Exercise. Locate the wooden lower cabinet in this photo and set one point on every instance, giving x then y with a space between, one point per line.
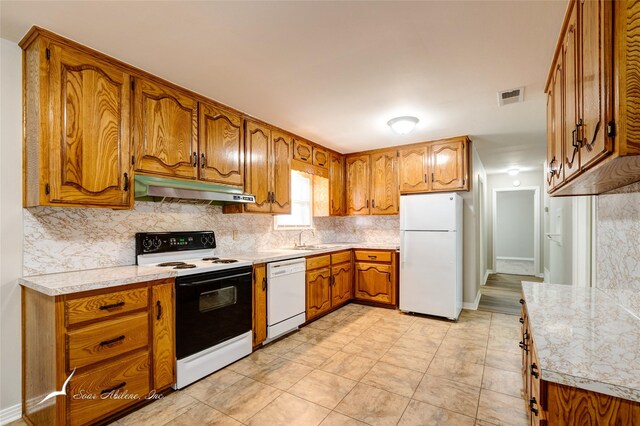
259 304
556 404
329 282
109 342
375 276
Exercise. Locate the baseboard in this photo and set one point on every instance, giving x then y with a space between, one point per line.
486 276
473 306
10 414
540 275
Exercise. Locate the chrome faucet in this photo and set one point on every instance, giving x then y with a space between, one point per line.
313 232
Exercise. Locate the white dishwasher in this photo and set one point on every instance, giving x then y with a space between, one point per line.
285 296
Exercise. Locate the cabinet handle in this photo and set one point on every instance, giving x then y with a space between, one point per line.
533 402
425 178
373 204
521 320
158 310
112 306
264 283
116 387
332 206
367 203
304 158
203 161
112 341
195 159
524 346
532 369
433 178
373 257
389 277
126 182
589 145
522 301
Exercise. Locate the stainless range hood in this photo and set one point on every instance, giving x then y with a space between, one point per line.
147 188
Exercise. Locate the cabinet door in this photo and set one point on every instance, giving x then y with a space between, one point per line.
374 282
595 41
336 182
414 174
558 119
384 183
89 159
257 143
165 131
221 146
341 283
281 173
551 139
164 355
320 157
448 163
318 292
259 304
570 128
357 171
302 151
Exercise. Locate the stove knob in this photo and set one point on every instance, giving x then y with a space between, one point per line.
211 240
147 243
203 239
157 242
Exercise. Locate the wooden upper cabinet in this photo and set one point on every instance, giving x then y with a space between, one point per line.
320 157
282 146
414 170
357 171
595 35
384 183
257 146
556 164
448 166
549 171
221 146
302 151
165 131
77 110
164 352
336 185
571 123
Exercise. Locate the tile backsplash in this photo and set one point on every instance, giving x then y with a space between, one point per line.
67 239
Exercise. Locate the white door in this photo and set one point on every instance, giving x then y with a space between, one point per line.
428 273
431 212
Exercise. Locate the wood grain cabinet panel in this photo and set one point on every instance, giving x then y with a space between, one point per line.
557 148
77 112
571 123
448 166
282 146
318 292
336 185
357 173
257 145
302 151
221 146
374 282
164 349
104 305
414 170
341 283
320 157
384 183
165 133
259 304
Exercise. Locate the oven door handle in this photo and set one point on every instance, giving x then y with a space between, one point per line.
194 283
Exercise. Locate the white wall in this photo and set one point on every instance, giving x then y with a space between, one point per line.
499 181
10 223
515 224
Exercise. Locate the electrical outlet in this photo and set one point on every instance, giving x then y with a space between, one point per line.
234 234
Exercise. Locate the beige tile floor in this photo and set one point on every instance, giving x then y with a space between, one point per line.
361 365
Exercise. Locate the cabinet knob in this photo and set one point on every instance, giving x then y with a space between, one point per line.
521 320
533 402
532 369
522 301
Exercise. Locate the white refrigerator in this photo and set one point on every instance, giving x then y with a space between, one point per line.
431 254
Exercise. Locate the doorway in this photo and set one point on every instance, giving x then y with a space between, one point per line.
516 231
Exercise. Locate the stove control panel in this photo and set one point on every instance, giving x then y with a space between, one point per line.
164 242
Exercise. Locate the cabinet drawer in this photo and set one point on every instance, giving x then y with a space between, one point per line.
340 257
125 377
373 256
318 262
104 305
107 339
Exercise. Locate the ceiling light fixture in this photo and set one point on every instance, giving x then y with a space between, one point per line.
516 183
403 125
513 172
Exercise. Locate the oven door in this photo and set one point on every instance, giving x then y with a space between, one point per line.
211 308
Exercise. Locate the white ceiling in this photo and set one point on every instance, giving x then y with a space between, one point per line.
336 72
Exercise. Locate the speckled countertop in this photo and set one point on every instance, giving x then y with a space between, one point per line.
93 279
585 338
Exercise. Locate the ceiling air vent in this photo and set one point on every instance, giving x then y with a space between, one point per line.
511 96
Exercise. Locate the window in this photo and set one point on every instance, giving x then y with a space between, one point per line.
301 203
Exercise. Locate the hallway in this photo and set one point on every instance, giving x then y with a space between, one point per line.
501 293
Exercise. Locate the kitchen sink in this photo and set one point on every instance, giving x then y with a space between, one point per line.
310 247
